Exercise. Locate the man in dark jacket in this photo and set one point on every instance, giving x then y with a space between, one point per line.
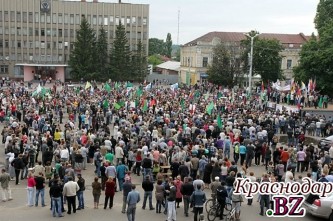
127 187
183 171
186 190
18 165
221 196
56 195
40 188
79 194
148 187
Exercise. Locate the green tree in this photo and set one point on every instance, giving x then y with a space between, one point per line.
82 57
316 56
168 46
156 46
120 56
102 56
139 63
226 66
266 57
154 60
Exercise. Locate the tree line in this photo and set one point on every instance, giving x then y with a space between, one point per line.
92 59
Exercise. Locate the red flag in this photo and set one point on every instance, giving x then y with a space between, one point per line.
314 85
262 86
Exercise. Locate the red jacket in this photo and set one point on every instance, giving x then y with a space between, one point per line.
110 188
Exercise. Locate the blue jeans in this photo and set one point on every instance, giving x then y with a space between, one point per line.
131 212
80 199
148 194
56 206
31 191
120 182
98 168
41 192
146 171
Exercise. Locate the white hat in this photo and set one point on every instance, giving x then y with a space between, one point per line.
217 178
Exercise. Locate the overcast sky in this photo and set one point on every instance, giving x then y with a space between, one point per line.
198 17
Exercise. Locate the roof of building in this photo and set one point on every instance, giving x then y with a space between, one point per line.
296 39
170 65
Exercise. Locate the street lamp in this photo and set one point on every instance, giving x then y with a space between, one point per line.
251 60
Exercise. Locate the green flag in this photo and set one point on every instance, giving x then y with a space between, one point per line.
145 106
182 103
139 92
320 103
107 87
136 103
219 95
210 108
129 84
117 106
106 103
219 121
121 103
116 85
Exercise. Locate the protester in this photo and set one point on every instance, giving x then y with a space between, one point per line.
96 191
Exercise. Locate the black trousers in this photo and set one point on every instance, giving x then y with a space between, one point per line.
106 201
71 202
17 176
197 211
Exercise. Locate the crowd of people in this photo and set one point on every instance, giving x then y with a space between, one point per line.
180 140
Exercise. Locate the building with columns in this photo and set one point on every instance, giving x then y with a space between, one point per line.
36 36
198 54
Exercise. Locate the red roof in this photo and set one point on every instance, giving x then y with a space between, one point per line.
285 39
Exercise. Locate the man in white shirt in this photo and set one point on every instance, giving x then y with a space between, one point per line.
119 152
70 189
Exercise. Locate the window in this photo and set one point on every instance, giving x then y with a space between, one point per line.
48 19
65 32
31 44
128 21
24 31
6 31
18 16
54 18
89 19
106 20
117 20
18 31
100 20
133 20
59 32
0 15
37 44
139 21
31 17
1 45
3 69
128 34
42 32
42 44
36 32
289 63
48 58
12 31
42 18
144 21
6 16
123 20
25 17
204 62
66 19
94 20
71 33
1 31
60 58
24 44
18 44
111 20
54 45
6 44
31 31
59 18
60 44
77 19
48 32
71 19
54 32
36 17
48 45
12 16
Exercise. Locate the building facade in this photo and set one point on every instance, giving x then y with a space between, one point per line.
197 55
36 36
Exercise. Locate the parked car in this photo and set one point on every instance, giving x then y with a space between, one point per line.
326 143
320 207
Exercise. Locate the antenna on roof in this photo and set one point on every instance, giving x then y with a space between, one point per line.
178 27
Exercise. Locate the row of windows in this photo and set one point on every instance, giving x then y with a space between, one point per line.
59 18
3 69
58 32
36 44
35 58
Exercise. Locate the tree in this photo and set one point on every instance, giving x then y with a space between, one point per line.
139 63
316 56
226 66
82 57
168 46
102 56
120 56
266 58
155 60
156 46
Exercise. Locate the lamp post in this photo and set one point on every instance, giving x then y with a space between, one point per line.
251 60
